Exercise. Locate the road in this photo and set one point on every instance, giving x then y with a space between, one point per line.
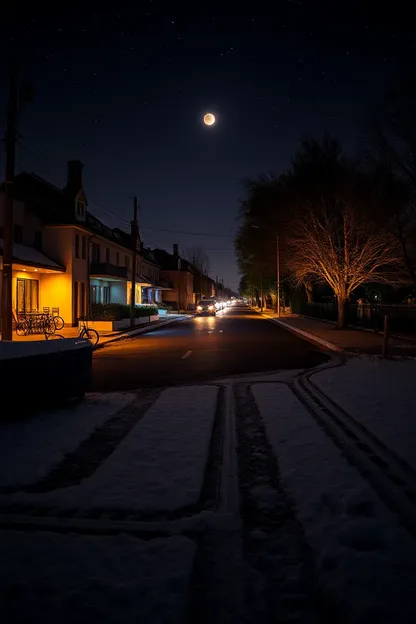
237 341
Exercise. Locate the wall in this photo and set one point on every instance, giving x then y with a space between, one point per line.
29 223
56 292
186 288
119 292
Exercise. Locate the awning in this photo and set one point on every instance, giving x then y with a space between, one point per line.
141 280
29 256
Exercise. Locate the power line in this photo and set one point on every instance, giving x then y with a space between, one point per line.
188 233
112 214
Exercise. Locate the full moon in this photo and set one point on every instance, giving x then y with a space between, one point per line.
209 119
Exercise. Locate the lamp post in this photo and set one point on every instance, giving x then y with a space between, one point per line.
258 227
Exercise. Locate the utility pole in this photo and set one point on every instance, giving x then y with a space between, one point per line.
261 293
134 238
278 274
10 140
179 284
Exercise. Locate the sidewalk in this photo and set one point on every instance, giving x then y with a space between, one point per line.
350 340
108 336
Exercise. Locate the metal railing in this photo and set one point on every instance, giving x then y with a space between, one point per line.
402 318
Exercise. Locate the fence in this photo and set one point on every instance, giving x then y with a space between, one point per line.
402 318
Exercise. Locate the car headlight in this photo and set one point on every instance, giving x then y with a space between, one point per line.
211 307
199 308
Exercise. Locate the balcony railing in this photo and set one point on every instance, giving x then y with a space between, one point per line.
108 270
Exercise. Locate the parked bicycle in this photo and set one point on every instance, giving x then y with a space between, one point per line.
87 332
35 323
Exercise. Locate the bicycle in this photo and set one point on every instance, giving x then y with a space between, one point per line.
91 334
58 321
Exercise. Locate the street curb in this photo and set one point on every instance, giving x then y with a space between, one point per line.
310 337
141 330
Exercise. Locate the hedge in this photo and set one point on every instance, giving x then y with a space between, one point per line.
119 311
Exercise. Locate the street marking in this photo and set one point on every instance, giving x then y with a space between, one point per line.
187 354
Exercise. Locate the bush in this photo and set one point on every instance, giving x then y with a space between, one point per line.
119 311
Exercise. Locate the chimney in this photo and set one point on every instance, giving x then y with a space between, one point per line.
176 250
74 178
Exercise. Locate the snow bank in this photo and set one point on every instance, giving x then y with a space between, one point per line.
366 562
52 578
380 394
159 466
30 448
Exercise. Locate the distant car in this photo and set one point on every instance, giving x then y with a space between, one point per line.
206 306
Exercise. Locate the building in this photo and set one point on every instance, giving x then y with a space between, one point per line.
64 258
179 274
204 286
155 288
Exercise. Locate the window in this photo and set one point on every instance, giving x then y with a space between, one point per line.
84 247
127 262
106 294
107 255
94 294
17 234
95 255
1 231
80 208
76 246
117 258
83 299
38 240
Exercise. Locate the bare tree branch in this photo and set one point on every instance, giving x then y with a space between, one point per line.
198 257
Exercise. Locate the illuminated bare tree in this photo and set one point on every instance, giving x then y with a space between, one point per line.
339 244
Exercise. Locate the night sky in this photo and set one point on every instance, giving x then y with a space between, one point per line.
125 92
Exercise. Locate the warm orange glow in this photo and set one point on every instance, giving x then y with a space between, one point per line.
209 119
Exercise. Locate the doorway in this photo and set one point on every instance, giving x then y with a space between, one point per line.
27 299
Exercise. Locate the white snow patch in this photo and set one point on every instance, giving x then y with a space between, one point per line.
381 395
365 560
159 466
30 448
52 578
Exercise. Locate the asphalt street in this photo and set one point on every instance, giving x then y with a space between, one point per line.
237 341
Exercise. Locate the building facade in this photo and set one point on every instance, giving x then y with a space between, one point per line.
179 274
64 258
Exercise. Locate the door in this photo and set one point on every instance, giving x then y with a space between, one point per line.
83 301
75 313
27 299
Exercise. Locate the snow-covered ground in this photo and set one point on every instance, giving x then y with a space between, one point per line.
381 394
160 464
64 579
30 448
365 560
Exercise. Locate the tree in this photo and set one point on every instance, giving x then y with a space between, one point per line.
199 258
391 157
337 243
263 215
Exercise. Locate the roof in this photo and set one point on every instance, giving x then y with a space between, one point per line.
50 204
169 262
55 206
32 257
148 255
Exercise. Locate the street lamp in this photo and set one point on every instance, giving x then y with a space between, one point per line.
258 227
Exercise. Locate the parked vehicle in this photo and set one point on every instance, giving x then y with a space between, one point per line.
206 307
